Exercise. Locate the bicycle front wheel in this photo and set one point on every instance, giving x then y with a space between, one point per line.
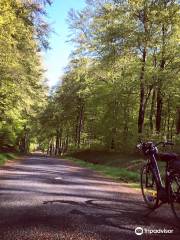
149 187
174 195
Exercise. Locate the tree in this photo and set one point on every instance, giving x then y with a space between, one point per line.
125 65
21 84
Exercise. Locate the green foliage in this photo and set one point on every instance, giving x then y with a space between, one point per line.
116 173
6 156
23 32
122 81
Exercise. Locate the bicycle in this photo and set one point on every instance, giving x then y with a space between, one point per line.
154 192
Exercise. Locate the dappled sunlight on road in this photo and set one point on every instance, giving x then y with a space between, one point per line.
43 195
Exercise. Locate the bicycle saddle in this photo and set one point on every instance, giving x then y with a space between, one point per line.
168 157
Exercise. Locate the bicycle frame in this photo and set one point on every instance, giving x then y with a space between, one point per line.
155 171
162 190
168 192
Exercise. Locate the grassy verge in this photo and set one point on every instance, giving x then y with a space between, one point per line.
7 156
116 173
124 168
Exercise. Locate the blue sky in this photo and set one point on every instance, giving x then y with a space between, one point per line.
57 58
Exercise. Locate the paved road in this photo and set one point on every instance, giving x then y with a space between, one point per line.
43 198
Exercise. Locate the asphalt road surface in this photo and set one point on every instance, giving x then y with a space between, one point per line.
44 198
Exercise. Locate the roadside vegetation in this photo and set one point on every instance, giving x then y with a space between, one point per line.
7 156
23 91
118 166
116 173
122 81
121 84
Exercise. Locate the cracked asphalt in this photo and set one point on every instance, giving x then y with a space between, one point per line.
43 198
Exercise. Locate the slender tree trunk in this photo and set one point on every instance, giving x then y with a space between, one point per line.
24 143
77 130
67 142
142 94
159 92
153 100
57 142
126 120
152 110
159 110
60 141
168 118
48 150
142 106
51 149
79 124
178 121
114 123
172 126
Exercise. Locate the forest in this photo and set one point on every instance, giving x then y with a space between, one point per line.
122 83
23 92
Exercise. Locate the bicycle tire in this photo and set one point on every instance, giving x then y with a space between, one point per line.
151 202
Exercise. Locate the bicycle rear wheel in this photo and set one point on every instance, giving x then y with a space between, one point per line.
149 187
174 195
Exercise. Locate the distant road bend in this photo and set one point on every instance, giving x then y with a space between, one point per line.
43 198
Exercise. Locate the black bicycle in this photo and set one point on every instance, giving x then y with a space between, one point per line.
154 192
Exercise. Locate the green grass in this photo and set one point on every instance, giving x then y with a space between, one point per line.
124 168
117 173
6 156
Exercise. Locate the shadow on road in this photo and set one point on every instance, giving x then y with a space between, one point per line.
43 195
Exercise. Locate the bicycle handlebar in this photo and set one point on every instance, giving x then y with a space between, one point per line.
147 146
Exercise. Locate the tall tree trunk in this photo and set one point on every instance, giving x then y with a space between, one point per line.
168 118
159 110
172 126
126 120
79 124
24 143
142 104
152 110
159 92
142 94
153 100
60 141
67 142
57 142
51 149
114 124
178 121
